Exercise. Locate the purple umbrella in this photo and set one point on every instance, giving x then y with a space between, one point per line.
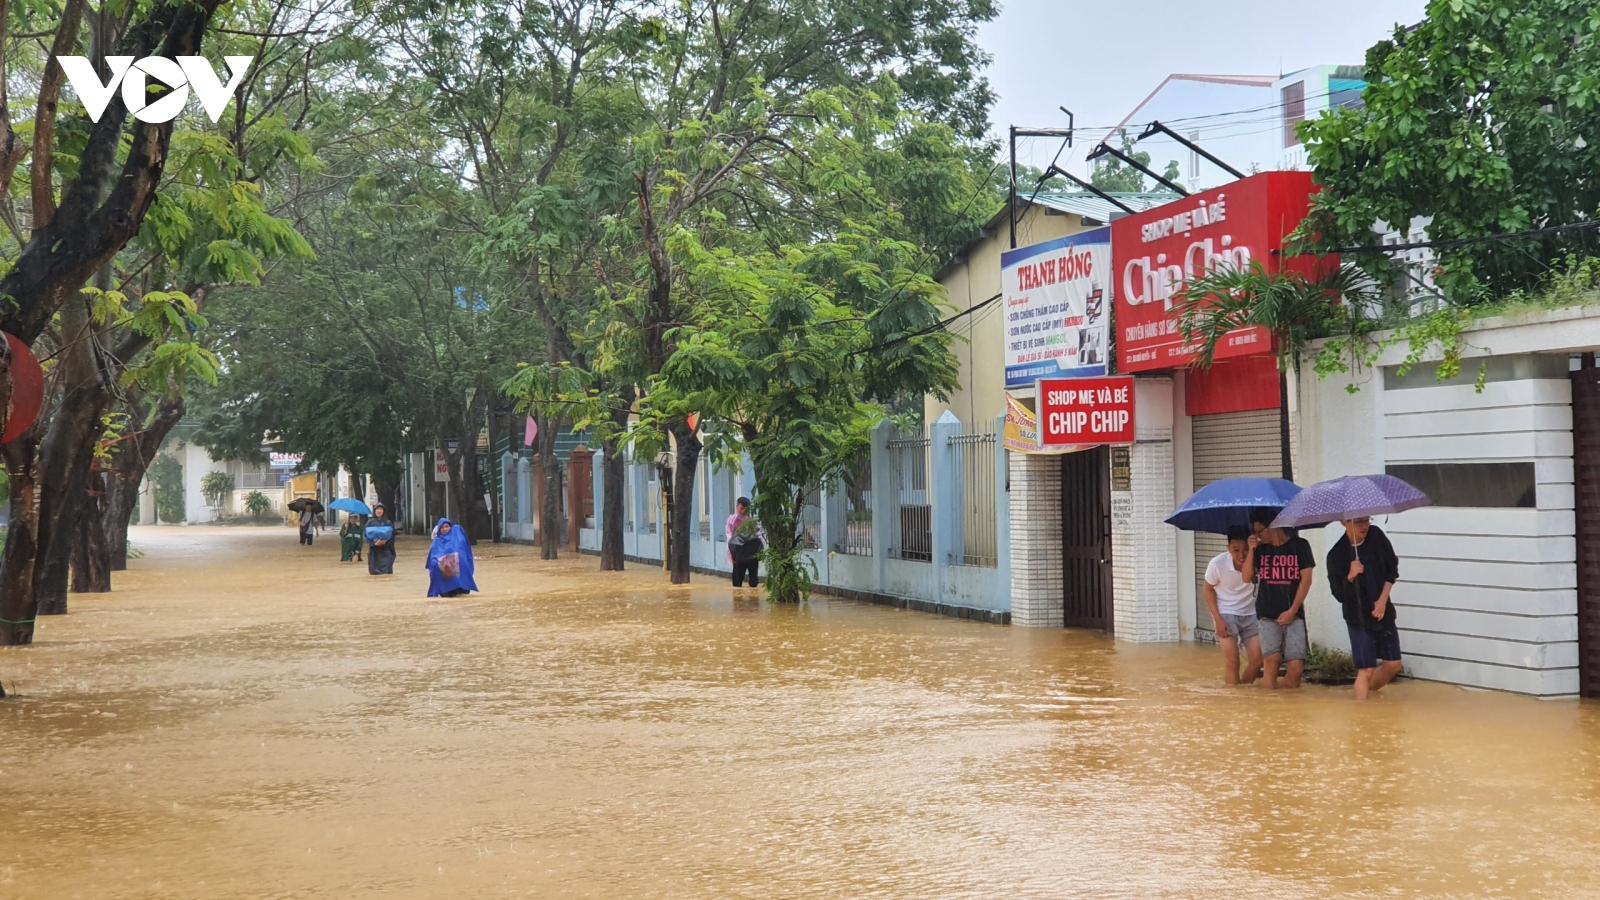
1350 497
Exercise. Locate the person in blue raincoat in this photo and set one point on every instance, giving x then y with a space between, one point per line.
450 562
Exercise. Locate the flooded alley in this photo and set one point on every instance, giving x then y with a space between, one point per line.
247 718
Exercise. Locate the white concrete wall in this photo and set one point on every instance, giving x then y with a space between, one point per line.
196 464
1490 595
1487 597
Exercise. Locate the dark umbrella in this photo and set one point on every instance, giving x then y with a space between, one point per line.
303 504
1224 504
1350 497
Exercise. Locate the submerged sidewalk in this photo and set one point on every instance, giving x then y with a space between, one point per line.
245 718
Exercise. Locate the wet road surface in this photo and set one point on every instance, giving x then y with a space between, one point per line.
244 718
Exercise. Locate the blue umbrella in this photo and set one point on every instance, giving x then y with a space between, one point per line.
1223 504
1350 497
350 505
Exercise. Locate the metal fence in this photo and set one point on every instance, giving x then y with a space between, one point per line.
702 492
510 490
914 530
811 520
652 500
855 489
973 462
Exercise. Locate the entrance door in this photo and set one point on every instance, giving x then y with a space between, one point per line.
1086 538
1586 472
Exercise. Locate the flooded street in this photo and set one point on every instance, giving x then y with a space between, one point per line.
246 719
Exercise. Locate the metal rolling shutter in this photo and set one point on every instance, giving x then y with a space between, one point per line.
1229 445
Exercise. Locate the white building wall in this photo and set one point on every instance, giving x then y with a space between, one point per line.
1144 549
197 463
1490 595
1487 597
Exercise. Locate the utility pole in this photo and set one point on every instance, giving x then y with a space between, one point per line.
1011 203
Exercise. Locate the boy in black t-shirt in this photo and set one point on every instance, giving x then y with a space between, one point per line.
1281 566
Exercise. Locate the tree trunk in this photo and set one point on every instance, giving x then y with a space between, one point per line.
66 457
18 607
386 493
551 534
1287 459
614 487
475 508
129 465
686 467
91 558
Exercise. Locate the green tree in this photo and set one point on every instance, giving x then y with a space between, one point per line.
729 85
790 357
1483 117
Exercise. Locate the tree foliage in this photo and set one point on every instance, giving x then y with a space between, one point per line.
1485 117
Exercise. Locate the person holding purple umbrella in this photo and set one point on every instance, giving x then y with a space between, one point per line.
1362 570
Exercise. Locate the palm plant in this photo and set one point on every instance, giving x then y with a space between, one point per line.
215 487
256 504
1293 307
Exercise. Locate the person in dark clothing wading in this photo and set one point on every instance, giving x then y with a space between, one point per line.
1362 570
380 538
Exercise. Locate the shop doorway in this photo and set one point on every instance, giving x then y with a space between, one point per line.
1086 539
1228 445
1586 479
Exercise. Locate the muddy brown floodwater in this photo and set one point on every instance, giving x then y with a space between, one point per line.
242 718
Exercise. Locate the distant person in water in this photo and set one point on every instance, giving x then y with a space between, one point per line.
351 540
307 523
380 535
450 562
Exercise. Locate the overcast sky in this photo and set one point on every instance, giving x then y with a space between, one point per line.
1099 59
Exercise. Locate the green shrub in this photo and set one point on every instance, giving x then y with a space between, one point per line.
1330 662
256 504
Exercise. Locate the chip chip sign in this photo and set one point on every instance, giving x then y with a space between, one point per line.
1085 411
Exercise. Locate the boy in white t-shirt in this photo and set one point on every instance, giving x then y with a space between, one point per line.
1232 601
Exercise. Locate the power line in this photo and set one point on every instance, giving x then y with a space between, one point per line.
930 329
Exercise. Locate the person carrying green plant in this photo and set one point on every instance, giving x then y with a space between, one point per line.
1362 570
744 543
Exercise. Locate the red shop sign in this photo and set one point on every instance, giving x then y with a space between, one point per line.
1157 251
1085 411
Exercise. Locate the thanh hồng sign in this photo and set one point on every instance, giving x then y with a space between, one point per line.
1057 300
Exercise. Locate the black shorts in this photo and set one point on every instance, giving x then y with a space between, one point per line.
1367 647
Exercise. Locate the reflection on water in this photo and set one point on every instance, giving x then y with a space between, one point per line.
243 718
